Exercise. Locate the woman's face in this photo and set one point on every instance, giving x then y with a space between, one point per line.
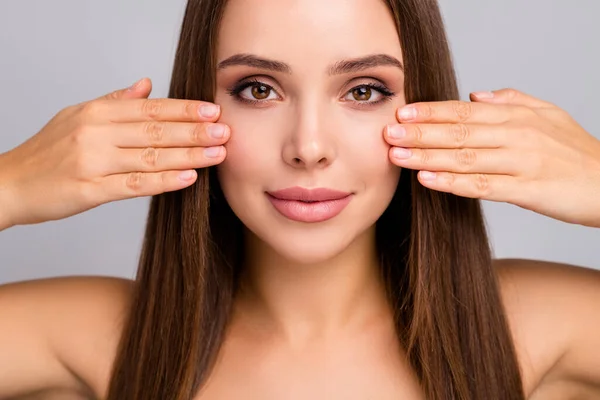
307 87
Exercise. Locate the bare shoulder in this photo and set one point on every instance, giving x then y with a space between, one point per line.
554 313
75 321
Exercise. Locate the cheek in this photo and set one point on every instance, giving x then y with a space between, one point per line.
365 149
253 148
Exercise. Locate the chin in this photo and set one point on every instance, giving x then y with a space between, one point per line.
307 246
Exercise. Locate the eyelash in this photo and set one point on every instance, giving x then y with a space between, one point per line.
243 85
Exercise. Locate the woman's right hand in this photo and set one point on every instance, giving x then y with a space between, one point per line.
119 146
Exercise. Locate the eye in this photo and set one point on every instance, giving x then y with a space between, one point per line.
362 93
258 91
253 92
368 93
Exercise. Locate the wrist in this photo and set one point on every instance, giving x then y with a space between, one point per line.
5 195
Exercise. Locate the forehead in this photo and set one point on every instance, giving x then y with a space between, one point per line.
305 31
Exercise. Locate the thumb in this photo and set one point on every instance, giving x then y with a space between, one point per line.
140 89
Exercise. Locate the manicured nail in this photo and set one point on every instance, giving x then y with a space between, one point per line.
208 110
216 131
212 152
396 131
428 176
135 85
187 175
408 113
483 95
402 153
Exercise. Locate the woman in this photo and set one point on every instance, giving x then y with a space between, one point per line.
251 283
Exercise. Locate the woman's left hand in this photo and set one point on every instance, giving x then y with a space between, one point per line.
510 147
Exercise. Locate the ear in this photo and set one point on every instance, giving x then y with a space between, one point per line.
510 96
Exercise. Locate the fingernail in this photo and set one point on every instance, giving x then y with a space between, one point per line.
428 176
135 85
483 95
402 153
212 152
187 175
396 131
216 131
208 110
408 113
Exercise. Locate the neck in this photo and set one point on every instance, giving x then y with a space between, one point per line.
304 302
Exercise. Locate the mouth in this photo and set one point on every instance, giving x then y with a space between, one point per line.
309 205
309 195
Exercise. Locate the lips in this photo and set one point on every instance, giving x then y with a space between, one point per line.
309 195
309 205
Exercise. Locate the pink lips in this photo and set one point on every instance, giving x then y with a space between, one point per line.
309 205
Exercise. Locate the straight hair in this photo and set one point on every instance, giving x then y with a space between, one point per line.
434 253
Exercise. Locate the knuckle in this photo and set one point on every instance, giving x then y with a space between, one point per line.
425 157
482 185
190 110
82 168
90 193
152 108
450 179
462 109
155 131
87 165
511 93
465 158
67 111
460 133
419 134
134 181
561 113
149 156
536 165
163 179
197 133
91 108
82 138
192 155
425 111
79 135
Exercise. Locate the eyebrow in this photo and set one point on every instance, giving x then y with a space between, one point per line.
338 68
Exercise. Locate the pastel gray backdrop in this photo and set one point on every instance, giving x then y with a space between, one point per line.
61 52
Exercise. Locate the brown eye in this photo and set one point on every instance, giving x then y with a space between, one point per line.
362 93
260 92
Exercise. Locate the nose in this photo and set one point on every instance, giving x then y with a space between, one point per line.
310 142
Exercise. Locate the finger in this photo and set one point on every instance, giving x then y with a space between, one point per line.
510 96
448 136
476 186
167 134
140 89
455 111
135 110
156 159
138 184
466 161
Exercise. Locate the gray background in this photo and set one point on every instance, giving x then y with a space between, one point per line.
61 52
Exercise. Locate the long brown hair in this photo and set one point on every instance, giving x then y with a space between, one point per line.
434 251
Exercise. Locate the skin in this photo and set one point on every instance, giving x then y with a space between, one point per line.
311 321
